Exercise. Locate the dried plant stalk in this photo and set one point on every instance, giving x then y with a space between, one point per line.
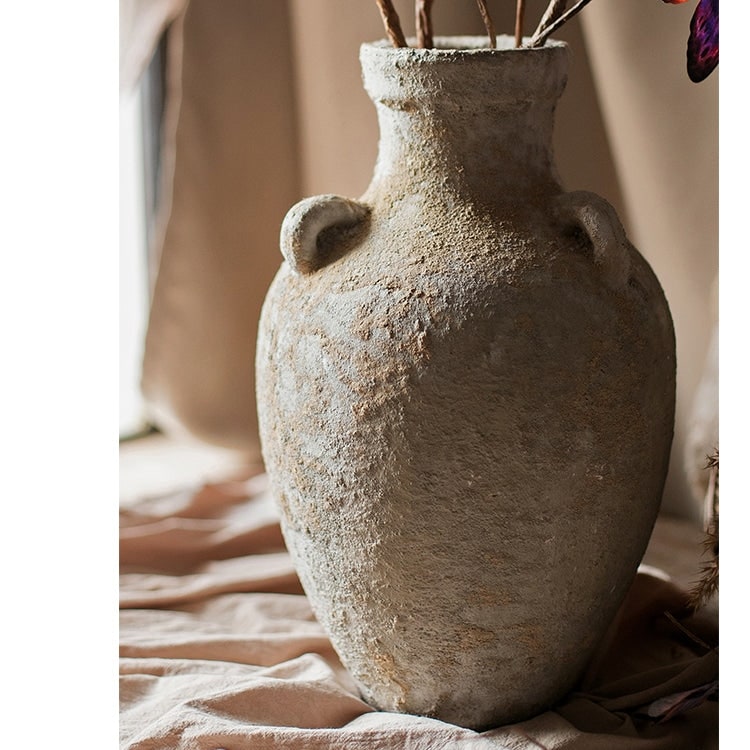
554 10
392 23
424 23
540 37
488 22
520 7
708 584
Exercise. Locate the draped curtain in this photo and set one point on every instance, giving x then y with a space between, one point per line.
264 105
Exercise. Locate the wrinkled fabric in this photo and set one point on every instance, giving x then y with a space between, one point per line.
219 648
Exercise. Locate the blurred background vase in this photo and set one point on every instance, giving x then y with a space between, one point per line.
466 393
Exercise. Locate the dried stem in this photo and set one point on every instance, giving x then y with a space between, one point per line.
487 22
708 583
690 635
424 23
392 23
711 500
554 10
541 37
520 7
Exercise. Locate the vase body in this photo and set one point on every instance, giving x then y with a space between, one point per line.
465 386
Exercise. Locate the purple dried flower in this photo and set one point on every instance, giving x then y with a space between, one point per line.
703 44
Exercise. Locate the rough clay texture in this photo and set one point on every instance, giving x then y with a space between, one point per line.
466 404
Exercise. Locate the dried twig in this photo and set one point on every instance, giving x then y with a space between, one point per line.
708 584
392 23
520 7
488 22
711 501
554 10
690 635
424 23
540 38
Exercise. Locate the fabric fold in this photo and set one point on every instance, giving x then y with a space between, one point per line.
227 653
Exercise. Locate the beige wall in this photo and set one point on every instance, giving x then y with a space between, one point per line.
663 130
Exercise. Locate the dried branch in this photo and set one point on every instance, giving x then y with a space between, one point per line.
554 10
541 37
697 640
711 500
519 21
488 22
392 23
708 584
424 23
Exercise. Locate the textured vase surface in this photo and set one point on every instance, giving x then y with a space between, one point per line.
465 385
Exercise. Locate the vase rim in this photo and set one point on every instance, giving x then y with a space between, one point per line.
464 46
493 75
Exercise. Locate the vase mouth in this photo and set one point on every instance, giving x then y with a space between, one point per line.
464 46
463 63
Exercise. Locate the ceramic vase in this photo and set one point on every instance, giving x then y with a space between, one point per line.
465 384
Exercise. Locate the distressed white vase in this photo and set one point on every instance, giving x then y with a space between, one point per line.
466 395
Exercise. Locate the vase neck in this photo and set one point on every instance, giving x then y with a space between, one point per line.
477 119
489 151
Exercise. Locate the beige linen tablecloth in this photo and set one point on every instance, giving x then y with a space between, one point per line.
220 649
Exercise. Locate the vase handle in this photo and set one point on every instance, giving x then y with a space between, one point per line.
303 224
596 217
